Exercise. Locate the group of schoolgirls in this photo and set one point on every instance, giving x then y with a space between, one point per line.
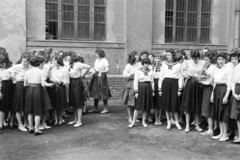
205 86
42 84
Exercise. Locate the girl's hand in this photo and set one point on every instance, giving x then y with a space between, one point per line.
1 96
237 97
179 93
136 95
225 100
211 99
153 94
160 93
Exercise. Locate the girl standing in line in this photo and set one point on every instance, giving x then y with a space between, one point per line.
170 87
128 93
59 75
192 95
220 96
99 88
6 87
76 88
144 90
157 100
235 104
18 72
34 101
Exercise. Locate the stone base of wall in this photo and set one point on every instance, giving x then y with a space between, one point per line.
116 85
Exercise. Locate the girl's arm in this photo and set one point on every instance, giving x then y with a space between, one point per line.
135 84
126 71
1 96
183 69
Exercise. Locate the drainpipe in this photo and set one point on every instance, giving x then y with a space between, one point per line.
236 29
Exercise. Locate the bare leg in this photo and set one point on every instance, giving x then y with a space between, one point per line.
168 120
30 121
129 110
224 135
60 117
37 120
144 119
20 124
238 136
177 121
210 128
75 117
187 129
95 106
159 117
55 117
156 113
2 114
105 102
79 118
221 131
198 128
135 115
12 117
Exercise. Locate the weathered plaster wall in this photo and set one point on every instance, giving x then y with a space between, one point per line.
115 20
13 27
138 25
158 21
35 19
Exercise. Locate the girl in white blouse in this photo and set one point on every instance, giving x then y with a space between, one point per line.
207 85
34 79
59 75
98 87
6 88
220 96
76 88
18 72
144 91
170 87
235 104
192 95
128 98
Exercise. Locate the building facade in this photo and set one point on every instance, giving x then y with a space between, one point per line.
118 26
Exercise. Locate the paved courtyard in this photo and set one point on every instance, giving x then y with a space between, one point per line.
106 136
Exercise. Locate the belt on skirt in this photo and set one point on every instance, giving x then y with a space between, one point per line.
221 85
237 84
34 85
5 81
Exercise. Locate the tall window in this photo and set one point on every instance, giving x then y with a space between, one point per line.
76 19
188 21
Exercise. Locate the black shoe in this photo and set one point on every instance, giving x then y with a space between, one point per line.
31 131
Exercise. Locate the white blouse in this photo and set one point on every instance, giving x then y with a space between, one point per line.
34 75
60 74
140 76
4 75
130 69
171 71
236 74
222 76
190 68
46 69
210 71
101 64
18 71
76 70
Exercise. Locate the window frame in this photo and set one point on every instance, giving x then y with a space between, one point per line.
185 27
76 21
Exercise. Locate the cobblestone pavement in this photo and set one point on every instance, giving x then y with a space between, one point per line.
106 136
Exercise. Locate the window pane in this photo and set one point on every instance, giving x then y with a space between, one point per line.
205 34
99 14
68 12
99 31
169 4
191 34
68 1
83 13
192 5
192 20
181 5
51 30
99 9
99 2
84 2
168 34
205 21
67 30
179 33
83 30
179 21
206 5
52 6
51 15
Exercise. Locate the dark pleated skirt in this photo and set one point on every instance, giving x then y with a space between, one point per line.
19 97
7 101
128 97
76 93
192 97
157 99
86 93
170 99
99 88
48 103
144 101
59 97
35 100
235 105
220 112
206 104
